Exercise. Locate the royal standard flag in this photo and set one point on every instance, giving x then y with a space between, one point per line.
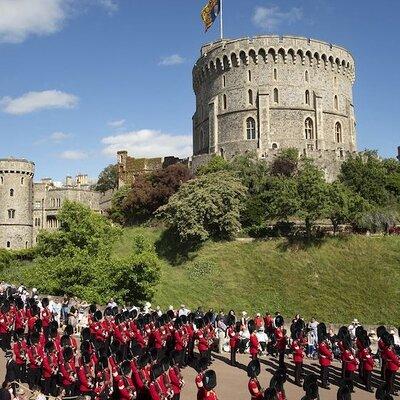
210 12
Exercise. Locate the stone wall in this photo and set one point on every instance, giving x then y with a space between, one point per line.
279 82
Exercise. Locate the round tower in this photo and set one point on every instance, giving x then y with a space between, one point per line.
266 93
16 197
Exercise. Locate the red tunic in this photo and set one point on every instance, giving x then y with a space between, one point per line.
178 339
255 389
45 316
298 353
392 360
199 384
367 359
325 354
175 381
85 376
68 372
49 365
233 339
20 352
35 356
280 339
350 362
209 395
202 341
254 344
126 388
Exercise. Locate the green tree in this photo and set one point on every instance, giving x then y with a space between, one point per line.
286 163
216 164
366 175
208 206
312 195
108 179
282 201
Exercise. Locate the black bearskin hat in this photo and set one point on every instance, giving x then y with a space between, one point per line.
103 363
49 347
153 354
279 378
345 389
86 357
68 353
231 320
174 357
34 338
5 308
114 310
92 308
321 331
165 363
279 321
199 323
45 302
238 327
126 368
85 334
210 380
135 348
178 323
202 364
85 346
387 339
144 359
343 332
156 371
383 392
65 340
253 369
98 316
271 394
309 380
380 331
171 314
251 326
38 325
359 331
69 330
54 325
19 303
184 319
118 356
133 313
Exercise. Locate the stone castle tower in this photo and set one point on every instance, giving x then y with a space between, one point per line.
267 93
16 199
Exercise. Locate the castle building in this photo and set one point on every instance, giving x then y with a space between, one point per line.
28 207
262 94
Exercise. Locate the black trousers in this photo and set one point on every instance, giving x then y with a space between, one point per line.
390 380
50 386
298 371
176 396
21 372
349 376
34 375
324 375
367 375
281 358
5 341
233 355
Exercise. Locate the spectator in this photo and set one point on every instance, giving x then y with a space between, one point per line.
65 310
258 321
244 319
183 311
352 328
73 317
112 304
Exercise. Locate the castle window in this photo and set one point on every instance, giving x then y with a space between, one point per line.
11 213
276 96
251 128
307 76
274 146
202 140
221 152
26 245
249 76
8 245
223 81
11 192
22 180
275 74
335 80
224 101
336 102
1 180
250 93
307 97
309 129
338 133
52 203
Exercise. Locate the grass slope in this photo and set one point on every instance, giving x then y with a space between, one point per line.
337 280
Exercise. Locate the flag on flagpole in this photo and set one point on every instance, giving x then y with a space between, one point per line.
210 12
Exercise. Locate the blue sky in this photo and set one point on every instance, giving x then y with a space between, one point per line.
81 78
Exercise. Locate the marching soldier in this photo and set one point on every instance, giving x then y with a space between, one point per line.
50 369
325 355
233 336
253 370
254 344
209 384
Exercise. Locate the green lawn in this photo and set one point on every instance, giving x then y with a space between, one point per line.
337 280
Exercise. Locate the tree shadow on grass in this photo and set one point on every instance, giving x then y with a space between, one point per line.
295 243
170 248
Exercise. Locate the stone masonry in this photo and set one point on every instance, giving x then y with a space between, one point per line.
262 94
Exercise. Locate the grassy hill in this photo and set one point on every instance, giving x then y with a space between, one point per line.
336 280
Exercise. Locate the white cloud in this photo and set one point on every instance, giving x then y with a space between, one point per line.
270 18
22 18
59 136
148 143
173 59
73 155
117 124
35 101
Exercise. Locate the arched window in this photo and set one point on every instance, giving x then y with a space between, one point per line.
309 129
335 80
307 97
251 128
274 146
307 76
338 132
224 101
202 140
11 192
1 180
276 96
223 81
8 245
11 213
250 93
26 245
22 180
336 102
221 152
249 76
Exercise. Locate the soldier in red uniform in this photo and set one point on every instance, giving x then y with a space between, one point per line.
104 385
201 368
35 359
175 376
350 361
310 386
392 362
126 387
325 355
20 354
50 369
69 378
298 356
367 360
86 375
278 381
209 384
233 336
46 316
254 343
381 331
281 340
253 370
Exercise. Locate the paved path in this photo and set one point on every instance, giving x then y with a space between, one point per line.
232 382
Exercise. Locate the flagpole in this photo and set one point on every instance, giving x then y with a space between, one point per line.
221 20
